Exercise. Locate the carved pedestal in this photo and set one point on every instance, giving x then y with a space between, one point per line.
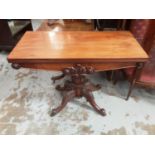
78 86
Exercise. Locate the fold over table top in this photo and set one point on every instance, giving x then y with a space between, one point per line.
77 46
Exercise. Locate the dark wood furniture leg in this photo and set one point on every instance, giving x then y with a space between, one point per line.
58 77
78 86
90 98
66 98
135 76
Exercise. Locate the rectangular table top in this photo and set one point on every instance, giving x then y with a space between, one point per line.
72 46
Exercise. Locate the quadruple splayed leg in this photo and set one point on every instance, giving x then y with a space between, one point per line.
78 86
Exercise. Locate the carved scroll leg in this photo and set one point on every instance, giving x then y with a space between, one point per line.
90 99
15 66
58 77
92 87
66 98
60 88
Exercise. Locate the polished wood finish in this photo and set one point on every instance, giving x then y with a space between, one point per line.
118 46
78 86
59 66
77 54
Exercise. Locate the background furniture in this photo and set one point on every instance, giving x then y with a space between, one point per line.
111 24
11 31
66 25
144 31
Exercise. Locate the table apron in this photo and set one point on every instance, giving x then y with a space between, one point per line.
60 66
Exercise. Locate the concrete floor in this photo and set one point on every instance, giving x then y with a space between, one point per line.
27 96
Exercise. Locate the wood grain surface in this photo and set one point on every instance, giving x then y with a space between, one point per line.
77 46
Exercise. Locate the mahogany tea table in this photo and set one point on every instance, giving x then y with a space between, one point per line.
76 54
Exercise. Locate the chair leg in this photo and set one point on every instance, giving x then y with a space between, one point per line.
136 75
109 75
118 75
130 90
115 76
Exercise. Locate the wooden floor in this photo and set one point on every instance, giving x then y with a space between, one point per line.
67 25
